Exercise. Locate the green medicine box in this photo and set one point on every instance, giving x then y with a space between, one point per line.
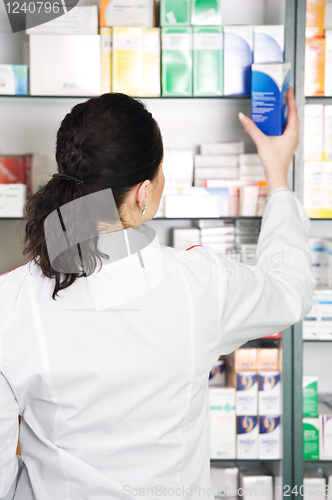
310 396
311 439
206 13
175 13
208 61
177 62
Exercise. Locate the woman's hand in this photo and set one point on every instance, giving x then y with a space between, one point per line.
276 153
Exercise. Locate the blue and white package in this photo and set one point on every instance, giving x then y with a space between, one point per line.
269 108
13 79
269 397
269 446
269 44
246 393
223 194
238 57
247 437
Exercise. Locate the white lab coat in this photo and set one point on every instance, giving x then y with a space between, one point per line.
113 396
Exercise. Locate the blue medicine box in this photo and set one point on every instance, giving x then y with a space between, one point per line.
269 86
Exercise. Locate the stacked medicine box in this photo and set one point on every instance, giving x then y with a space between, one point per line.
130 48
202 58
192 48
318 50
318 160
69 57
317 325
245 418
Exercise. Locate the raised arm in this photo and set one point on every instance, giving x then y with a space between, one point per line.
276 292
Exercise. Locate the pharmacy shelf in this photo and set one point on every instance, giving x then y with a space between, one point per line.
136 97
316 340
188 218
234 461
317 461
171 218
317 99
208 218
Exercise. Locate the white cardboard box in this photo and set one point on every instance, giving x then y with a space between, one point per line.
247 437
80 20
269 397
178 167
313 132
216 161
13 79
328 63
192 206
238 56
313 486
328 132
185 238
249 159
256 485
203 175
325 314
328 15
222 423
225 481
222 148
12 200
325 437
65 65
253 170
269 446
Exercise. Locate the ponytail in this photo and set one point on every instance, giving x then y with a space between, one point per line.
110 141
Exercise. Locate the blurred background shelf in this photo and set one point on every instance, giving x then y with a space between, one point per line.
226 97
316 340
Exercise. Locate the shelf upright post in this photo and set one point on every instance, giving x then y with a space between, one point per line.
287 412
290 56
298 187
299 90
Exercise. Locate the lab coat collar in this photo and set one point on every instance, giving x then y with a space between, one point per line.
134 267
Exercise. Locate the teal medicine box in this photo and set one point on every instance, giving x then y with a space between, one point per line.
177 62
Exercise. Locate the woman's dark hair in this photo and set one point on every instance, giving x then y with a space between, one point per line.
110 141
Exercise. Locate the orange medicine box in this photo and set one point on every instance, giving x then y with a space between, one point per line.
315 14
268 359
314 81
245 360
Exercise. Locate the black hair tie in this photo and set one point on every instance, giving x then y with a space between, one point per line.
69 177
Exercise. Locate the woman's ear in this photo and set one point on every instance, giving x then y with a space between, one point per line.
142 194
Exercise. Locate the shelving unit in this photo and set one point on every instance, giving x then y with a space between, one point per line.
305 350
199 119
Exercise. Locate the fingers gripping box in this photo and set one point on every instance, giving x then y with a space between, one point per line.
270 83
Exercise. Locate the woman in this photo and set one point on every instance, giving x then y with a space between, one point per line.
106 351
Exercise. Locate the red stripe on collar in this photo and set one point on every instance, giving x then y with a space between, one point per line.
194 246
